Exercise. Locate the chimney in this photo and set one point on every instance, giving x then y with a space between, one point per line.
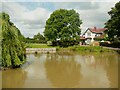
94 27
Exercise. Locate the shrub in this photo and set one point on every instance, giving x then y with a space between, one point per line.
113 44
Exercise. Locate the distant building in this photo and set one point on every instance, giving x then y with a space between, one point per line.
93 34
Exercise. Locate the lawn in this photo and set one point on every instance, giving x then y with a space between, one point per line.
72 48
34 45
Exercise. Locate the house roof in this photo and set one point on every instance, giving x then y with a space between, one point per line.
96 30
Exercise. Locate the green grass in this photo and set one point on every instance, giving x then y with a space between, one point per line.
36 45
86 49
33 45
71 48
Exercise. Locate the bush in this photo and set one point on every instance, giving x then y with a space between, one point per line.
113 44
104 44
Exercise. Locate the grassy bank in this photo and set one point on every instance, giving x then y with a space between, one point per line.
72 48
86 49
89 49
34 45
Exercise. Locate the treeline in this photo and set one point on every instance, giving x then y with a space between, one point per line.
62 29
13 49
39 38
113 25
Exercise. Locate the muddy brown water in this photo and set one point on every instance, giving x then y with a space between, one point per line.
65 70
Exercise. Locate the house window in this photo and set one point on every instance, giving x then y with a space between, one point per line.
98 34
88 34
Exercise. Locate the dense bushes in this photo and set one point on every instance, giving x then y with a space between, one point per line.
64 43
113 44
32 40
85 49
0 41
39 38
88 48
104 44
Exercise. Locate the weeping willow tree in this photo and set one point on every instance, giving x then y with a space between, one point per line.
13 51
0 40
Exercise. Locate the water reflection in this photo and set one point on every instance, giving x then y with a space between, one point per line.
65 70
95 70
13 78
0 79
36 72
112 72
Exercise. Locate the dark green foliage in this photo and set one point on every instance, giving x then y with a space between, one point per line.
29 40
113 24
63 26
113 44
13 51
104 44
83 49
87 48
39 38
0 42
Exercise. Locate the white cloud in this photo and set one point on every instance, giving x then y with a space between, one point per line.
92 13
38 14
60 0
97 16
27 21
31 22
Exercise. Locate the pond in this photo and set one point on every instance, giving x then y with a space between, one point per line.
65 70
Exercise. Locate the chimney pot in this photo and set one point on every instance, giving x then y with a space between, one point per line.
94 27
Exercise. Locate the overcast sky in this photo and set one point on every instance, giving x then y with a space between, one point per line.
30 17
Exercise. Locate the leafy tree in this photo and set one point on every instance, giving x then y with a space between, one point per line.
63 26
113 24
29 40
13 51
39 38
0 40
21 37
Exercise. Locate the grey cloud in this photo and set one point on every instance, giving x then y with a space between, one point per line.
32 26
32 22
33 32
76 5
29 22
